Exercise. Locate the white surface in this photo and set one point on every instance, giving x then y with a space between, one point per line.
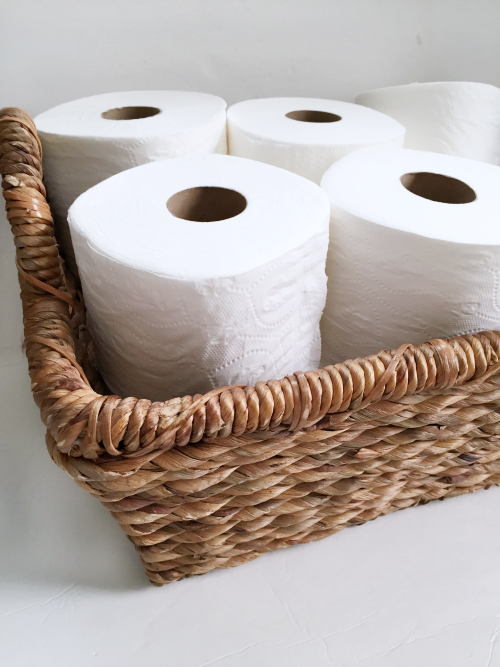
457 118
402 268
59 50
419 587
214 305
261 130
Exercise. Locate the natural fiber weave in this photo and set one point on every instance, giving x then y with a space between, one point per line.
214 481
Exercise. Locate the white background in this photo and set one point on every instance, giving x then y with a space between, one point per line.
420 588
53 51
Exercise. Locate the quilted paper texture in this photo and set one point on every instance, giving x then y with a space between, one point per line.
390 287
158 338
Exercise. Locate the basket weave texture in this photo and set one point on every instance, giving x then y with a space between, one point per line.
214 481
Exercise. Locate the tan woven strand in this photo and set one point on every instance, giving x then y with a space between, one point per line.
215 480
47 288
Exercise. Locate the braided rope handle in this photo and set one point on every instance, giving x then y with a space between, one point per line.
83 423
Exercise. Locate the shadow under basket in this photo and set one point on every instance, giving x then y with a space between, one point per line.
214 481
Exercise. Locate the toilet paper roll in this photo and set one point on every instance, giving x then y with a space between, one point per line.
453 117
306 135
200 272
91 139
414 250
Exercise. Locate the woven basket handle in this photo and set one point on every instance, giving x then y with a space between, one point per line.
28 212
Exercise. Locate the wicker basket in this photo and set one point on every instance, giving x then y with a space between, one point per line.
214 481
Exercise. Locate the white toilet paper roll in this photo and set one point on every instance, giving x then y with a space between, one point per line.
453 117
202 271
91 139
306 135
414 250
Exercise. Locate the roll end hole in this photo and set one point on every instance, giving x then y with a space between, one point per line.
311 116
438 187
130 113
206 204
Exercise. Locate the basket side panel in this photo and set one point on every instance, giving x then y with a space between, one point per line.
226 501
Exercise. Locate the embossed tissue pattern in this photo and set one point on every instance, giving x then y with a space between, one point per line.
390 287
158 338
